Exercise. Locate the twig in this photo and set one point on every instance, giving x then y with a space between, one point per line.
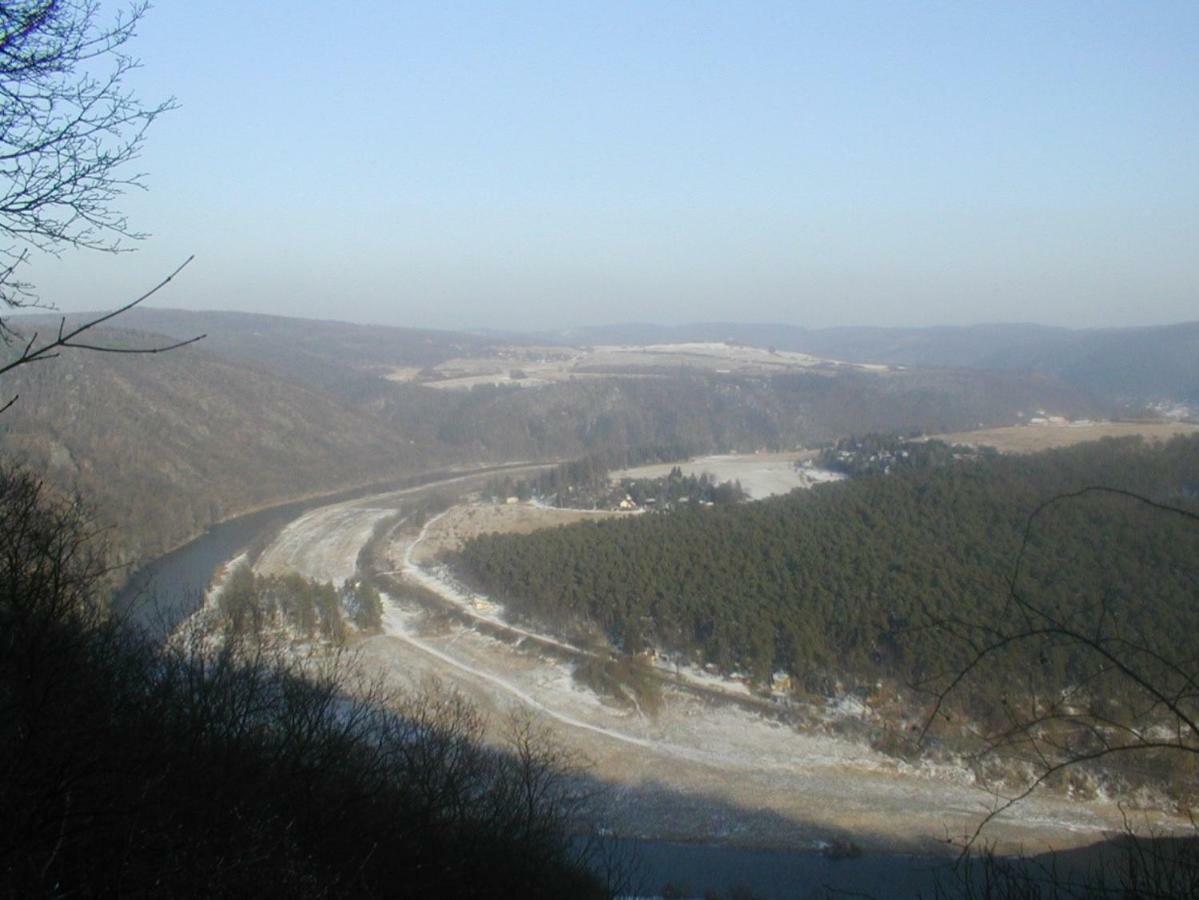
66 339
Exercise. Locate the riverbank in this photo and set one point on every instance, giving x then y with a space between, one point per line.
161 593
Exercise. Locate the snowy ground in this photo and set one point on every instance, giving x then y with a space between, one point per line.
758 781
323 544
699 769
467 520
761 474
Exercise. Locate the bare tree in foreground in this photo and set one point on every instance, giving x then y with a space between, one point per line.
69 128
238 768
77 337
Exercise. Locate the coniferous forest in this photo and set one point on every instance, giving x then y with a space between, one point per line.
846 583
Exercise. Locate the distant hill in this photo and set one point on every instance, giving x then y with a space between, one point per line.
166 445
267 409
1131 364
323 353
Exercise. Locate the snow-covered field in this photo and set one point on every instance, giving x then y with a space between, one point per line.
530 366
761 474
467 520
323 544
718 352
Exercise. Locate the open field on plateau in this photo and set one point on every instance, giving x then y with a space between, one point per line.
1045 436
532 365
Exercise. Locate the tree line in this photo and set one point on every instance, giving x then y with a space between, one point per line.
839 584
882 454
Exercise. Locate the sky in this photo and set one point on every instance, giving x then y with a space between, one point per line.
549 165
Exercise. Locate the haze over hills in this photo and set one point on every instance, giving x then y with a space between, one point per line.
1158 363
318 352
270 408
1130 365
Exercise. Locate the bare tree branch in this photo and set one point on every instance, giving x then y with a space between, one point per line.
1059 730
66 339
69 128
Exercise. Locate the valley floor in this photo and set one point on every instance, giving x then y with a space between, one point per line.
698 769
760 474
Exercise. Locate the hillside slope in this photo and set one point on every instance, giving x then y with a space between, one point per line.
267 409
324 354
165 445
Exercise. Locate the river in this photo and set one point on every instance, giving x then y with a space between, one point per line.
696 870
164 592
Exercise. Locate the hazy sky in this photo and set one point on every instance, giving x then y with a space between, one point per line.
551 164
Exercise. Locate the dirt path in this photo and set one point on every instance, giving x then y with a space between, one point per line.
701 772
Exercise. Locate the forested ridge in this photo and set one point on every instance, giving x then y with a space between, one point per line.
213 432
840 582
